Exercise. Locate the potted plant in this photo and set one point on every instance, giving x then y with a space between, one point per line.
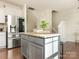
43 25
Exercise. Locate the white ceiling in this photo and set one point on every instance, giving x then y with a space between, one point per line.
46 4
16 2
54 4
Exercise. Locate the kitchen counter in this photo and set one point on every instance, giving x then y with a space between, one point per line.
40 35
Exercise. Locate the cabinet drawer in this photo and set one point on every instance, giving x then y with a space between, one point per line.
36 40
3 43
2 38
48 40
55 38
52 39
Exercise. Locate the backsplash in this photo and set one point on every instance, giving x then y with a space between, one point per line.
2 27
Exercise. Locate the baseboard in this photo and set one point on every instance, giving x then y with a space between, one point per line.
69 41
14 47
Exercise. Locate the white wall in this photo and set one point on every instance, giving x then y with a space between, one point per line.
59 22
31 21
70 26
44 14
73 24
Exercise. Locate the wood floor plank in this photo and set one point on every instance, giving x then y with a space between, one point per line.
71 51
10 54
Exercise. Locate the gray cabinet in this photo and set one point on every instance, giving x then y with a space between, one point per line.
31 50
40 48
51 48
25 48
35 51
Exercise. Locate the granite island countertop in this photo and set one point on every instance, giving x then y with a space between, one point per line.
40 35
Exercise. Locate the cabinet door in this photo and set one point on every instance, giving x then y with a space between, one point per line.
55 47
25 48
48 50
51 48
35 51
3 39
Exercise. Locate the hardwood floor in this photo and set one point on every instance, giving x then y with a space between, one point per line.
10 54
71 51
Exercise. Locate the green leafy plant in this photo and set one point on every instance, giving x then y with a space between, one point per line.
43 24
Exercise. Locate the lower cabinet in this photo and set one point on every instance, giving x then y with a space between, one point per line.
2 40
51 50
35 51
25 48
48 50
31 50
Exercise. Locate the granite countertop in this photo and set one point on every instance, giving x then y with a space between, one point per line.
48 35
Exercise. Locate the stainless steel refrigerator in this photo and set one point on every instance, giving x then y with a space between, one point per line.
14 25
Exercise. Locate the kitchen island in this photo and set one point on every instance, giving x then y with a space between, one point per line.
40 46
